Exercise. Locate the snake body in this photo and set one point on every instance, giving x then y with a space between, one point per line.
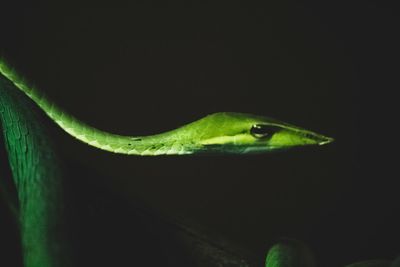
37 178
224 132
35 167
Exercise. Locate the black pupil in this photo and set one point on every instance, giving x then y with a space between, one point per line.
263 130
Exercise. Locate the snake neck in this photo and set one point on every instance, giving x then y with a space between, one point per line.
169 143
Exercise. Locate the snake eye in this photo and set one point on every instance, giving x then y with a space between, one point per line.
263 130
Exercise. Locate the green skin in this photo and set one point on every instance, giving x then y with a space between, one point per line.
37 176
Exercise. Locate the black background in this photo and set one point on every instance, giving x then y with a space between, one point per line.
140 69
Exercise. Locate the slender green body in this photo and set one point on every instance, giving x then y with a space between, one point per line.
224 132
37 178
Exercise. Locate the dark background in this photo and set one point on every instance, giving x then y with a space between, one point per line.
328 67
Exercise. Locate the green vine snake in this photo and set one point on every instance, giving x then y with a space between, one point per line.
35 167
224 132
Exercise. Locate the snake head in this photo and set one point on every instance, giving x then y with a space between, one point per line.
245 133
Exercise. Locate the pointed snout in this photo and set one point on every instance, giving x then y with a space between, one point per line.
318 139
311 138
325 140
